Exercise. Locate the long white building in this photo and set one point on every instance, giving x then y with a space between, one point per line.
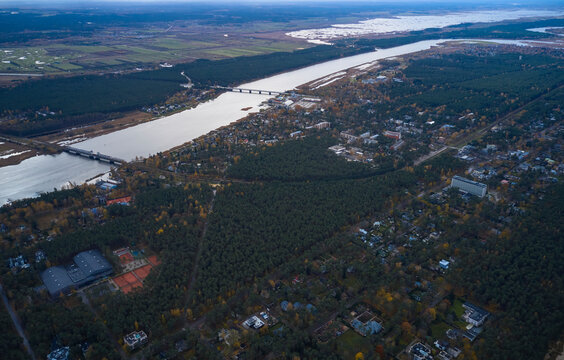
469 186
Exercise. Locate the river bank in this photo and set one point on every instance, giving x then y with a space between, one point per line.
145 139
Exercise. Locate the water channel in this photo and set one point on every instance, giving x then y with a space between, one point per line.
46 172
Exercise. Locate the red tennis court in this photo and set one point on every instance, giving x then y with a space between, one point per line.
126 258
127 282
142 272
154 260
130 287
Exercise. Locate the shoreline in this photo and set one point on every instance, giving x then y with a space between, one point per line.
152 136
137 117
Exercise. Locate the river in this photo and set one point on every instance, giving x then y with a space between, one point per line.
46 172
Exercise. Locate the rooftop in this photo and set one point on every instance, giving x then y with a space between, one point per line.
135 338
467 181
87 267
91 262
59 354
56 279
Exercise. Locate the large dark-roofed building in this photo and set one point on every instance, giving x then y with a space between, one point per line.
87 267
57 280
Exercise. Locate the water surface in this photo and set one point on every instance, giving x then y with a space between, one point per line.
46 172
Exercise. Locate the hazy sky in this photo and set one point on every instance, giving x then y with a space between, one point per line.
508 2
403 3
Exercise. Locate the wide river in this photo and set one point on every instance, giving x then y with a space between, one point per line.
47 172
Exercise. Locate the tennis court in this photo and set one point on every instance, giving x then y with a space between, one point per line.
127 282
143 271
134 279
154 260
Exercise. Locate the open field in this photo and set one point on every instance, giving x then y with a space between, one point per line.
145 47
351 343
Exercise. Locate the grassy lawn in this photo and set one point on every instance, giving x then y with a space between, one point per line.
171 43
85 48
110 61
351 281
457 308
30 59
9 67
139 50
269 49
67 66
459 311
163 47
227 52
195 44
439 329
350 343
461 324
275 327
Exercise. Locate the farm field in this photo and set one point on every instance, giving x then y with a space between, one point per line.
144 47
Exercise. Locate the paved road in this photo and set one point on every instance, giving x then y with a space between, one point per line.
19 74
17 323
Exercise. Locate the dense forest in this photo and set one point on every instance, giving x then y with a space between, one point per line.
283 222
70 324
86 99
307 159
168 221
175 236
255 228
11 346
128 225
81 100
71 20
487 85
522 276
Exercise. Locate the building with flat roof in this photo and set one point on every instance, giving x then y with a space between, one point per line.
469 186
254 322
87 267
368 328
474 315
420 351
59 354
135 339
392 134
444 264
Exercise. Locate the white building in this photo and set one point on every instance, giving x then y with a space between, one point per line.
469 186
254 322
135 339
474 315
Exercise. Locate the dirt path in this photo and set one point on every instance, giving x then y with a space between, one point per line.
192 281
17 323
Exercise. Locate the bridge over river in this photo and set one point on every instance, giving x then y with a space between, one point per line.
54 148
93 155
250 91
